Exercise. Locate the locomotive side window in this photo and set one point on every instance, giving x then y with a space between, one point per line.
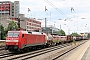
22 35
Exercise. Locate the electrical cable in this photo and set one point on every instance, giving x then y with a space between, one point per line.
55 7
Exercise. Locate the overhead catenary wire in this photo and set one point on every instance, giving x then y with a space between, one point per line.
55 8
71 8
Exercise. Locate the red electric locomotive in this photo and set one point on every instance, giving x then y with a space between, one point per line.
18 40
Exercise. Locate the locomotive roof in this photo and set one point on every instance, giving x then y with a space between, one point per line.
39 33
26 32
19 31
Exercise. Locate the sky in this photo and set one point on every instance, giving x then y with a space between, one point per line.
71 15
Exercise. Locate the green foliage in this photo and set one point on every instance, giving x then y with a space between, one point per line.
12 26
74 42
2 32
88 36
61 32
74 34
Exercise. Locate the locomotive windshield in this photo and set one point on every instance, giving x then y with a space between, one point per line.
13 34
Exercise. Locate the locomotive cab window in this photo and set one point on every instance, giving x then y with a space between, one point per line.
22 35
13 34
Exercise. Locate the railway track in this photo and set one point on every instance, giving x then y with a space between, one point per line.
33 54
6 55
2 48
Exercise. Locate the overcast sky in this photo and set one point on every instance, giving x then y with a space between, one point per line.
59 10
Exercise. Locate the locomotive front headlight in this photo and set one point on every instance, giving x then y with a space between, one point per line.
11 40
7 40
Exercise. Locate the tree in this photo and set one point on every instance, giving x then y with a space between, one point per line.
61 32
88 36
74 34
2 32
12 26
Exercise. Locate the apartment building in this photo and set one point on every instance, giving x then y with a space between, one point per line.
9 9
33 25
